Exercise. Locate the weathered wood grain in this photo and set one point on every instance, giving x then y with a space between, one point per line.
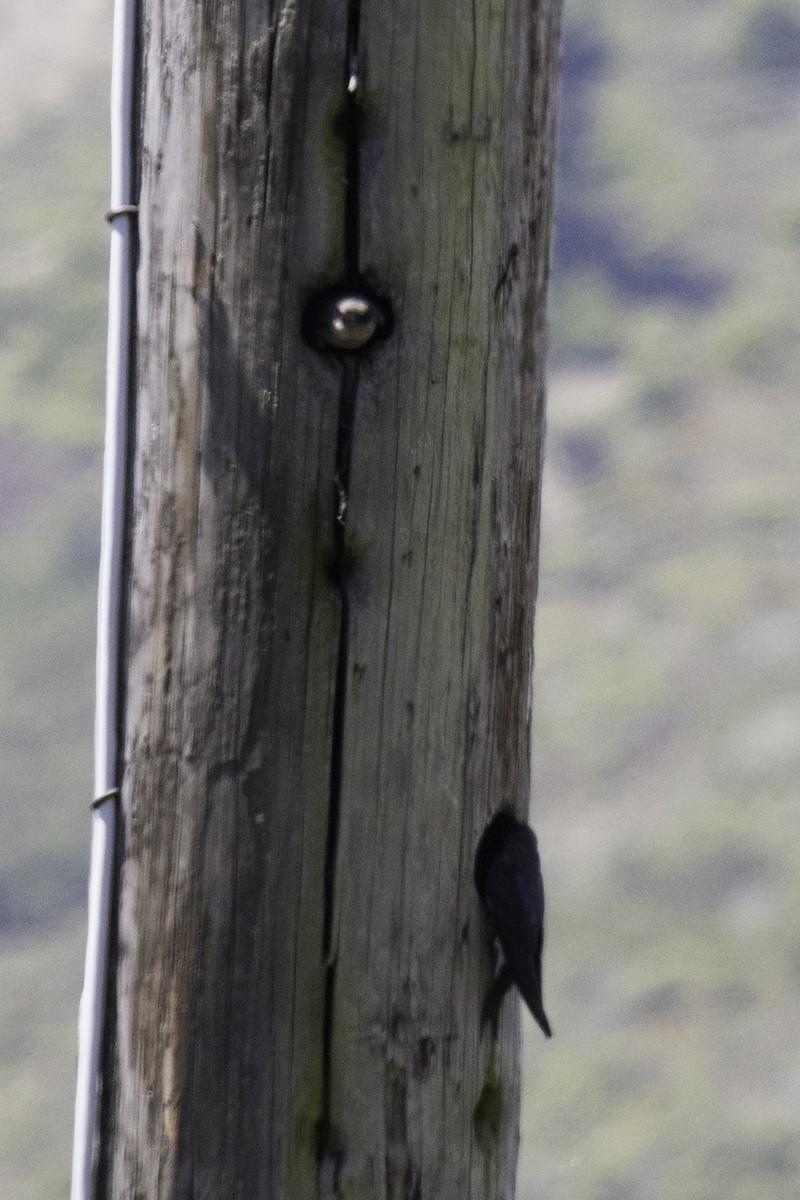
218 1049
445 505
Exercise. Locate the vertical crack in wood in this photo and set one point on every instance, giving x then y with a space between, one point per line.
352 133
329 1146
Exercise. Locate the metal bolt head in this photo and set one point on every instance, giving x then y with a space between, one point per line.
343 319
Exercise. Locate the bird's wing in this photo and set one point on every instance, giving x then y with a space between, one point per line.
514 900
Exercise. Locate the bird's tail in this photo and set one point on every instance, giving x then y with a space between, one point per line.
532 995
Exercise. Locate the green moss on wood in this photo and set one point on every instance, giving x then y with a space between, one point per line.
488 1115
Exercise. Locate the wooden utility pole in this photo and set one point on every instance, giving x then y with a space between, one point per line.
332 578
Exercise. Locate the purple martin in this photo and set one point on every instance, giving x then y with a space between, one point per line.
508 879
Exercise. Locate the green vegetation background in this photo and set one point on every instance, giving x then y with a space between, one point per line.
668 630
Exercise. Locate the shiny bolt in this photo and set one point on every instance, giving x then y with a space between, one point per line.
342 318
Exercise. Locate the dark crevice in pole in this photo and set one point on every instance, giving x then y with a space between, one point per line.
330 1147
343 318
352 133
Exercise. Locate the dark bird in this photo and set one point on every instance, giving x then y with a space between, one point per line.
508 878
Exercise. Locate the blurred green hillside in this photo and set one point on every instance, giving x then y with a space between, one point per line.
53 256
668 633
667 685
